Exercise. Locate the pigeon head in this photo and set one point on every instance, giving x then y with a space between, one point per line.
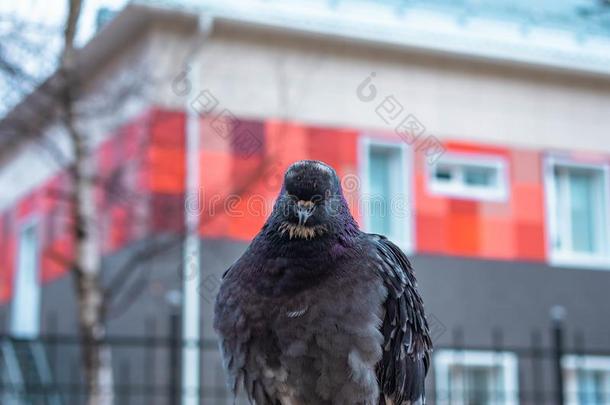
311 202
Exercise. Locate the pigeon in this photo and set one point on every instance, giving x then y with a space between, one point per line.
318 312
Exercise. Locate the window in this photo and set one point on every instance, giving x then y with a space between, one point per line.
25 307
577 207
476 378
480 177
385 200
587 380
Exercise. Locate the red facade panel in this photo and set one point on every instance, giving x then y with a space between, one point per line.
511 229
242 166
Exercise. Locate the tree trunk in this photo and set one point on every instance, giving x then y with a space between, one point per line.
97 360
96 354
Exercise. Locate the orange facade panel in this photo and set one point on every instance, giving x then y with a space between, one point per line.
240 188
242 166
166 170
506 229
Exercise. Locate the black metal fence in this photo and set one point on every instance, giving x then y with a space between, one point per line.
147 370
550 369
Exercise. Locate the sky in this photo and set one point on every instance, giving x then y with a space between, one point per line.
52 12
41 60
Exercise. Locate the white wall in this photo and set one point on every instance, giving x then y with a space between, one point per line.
265 74
274 74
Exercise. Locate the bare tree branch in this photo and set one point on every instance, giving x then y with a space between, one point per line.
120 292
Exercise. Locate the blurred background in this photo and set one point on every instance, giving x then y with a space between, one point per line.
142 145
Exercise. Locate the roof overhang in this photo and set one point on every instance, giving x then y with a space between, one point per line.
428 30
504 44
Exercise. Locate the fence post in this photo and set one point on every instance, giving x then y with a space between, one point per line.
175 351
452 394
538 392
557 317
125 387
499 395
149 361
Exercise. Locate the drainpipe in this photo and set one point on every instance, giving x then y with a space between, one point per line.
192 257
558 314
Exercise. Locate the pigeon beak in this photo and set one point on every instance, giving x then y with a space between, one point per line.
304 211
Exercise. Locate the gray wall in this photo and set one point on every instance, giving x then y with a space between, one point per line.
479 295
476 296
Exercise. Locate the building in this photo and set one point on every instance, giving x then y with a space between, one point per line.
479 142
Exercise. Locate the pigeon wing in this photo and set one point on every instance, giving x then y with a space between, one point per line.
236 328
407 344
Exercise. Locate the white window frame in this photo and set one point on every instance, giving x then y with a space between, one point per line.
403 229
458 189
15 326
444 359
566 258
573 363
